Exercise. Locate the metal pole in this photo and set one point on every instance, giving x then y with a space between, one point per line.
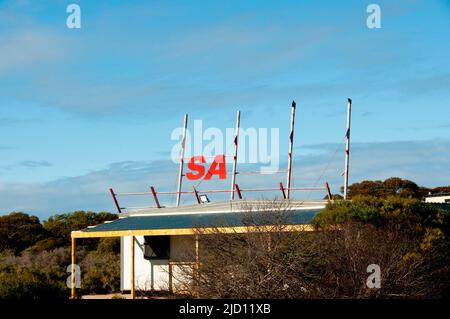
238 191
282 190
115 200
291 144
155 197
180 170
196 195
72 278
236 138
347 148
132 291
327 187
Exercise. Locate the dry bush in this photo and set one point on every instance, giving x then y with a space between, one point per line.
34 275
100 272
260 263
406 271
269 262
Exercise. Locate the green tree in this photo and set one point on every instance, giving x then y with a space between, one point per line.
100 272
393 186
60 226
19 231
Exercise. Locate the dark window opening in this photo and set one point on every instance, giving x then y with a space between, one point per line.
156 247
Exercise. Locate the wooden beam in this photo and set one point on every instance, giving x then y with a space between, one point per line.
196 268
191 231
132 268
170 277
72 278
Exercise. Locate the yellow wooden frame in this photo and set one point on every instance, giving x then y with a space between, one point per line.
173 232
190 231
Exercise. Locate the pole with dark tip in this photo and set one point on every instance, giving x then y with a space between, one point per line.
236 140
347 148
180 169
291 144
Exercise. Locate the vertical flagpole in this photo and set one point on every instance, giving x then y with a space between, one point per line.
236 138
180 170
291 143
347 148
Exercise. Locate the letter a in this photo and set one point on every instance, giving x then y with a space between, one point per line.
374 280
74 19
374 19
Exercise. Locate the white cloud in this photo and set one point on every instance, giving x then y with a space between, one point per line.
29 48
35 164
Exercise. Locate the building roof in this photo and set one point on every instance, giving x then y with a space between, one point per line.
438 195
184 220
227 206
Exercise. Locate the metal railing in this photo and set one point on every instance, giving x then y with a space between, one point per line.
154 194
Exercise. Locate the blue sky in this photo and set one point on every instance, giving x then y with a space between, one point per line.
85 109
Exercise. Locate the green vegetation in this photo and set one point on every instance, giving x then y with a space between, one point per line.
19 231
34 256
403 234
393 186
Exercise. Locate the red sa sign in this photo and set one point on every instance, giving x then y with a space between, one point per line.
217 167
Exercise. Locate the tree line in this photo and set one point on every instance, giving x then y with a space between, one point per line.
394 186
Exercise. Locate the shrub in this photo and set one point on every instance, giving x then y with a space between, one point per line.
100 272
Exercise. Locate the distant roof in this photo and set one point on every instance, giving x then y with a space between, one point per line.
438 195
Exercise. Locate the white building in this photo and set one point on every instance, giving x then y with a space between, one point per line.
158 243
440 198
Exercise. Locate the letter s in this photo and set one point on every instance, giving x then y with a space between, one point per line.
196 168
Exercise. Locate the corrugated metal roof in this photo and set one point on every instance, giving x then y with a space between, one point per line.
193 220
230 206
